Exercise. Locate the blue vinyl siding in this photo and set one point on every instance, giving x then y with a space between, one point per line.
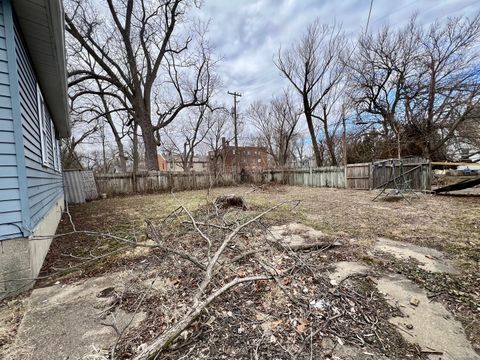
10 204
44 183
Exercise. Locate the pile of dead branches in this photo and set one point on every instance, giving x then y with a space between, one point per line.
218 263
228 269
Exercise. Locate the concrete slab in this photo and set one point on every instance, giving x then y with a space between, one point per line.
426 323
430 259
64 322
344 269
295 234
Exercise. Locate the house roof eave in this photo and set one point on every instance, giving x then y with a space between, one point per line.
42 21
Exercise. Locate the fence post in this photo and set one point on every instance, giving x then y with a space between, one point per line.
371 169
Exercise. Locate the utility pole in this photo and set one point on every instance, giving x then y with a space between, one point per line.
103 149
235 126
344 139
344 147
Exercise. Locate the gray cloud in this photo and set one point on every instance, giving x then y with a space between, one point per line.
248 33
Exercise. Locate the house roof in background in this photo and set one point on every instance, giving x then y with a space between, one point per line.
42 25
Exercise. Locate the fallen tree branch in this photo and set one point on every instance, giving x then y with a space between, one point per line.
294 247
209 225
124 329
154 235
194 223
208 275
166 339
303 247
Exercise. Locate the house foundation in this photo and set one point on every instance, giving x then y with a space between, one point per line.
22 258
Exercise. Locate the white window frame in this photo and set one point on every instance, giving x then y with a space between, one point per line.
59 156
54 146
41 126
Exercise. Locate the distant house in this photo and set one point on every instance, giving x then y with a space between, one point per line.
306 162
249 158
173 162
464 152
33 116
162 162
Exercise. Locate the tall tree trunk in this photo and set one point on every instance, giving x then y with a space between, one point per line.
149 141
330 145
427 151
121 154
313 135
135 148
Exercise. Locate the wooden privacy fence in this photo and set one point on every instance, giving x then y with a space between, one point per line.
158 181
368 176
359 176
80 185
417 172
327 176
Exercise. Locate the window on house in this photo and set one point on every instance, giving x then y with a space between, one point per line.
55 148
42 124
59 156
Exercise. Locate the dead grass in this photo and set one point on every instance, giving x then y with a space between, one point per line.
446 223
450 224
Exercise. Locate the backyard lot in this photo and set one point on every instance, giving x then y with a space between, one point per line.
347 278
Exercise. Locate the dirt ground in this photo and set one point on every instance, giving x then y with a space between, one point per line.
344 302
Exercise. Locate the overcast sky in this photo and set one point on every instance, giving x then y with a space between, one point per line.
247 33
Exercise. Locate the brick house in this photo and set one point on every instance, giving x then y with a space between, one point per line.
162 162
250 158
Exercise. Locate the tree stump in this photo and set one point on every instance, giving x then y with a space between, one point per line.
229 201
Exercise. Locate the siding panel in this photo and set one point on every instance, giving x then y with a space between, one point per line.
44 183
10 206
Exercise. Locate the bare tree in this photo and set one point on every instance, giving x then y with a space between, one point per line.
379 71
131 45
192 132
215 138
314 68
416 86
446 90
86 125
276 125
299 150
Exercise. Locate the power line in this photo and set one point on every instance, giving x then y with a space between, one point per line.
369 13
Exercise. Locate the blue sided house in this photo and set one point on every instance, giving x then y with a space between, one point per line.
33 116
